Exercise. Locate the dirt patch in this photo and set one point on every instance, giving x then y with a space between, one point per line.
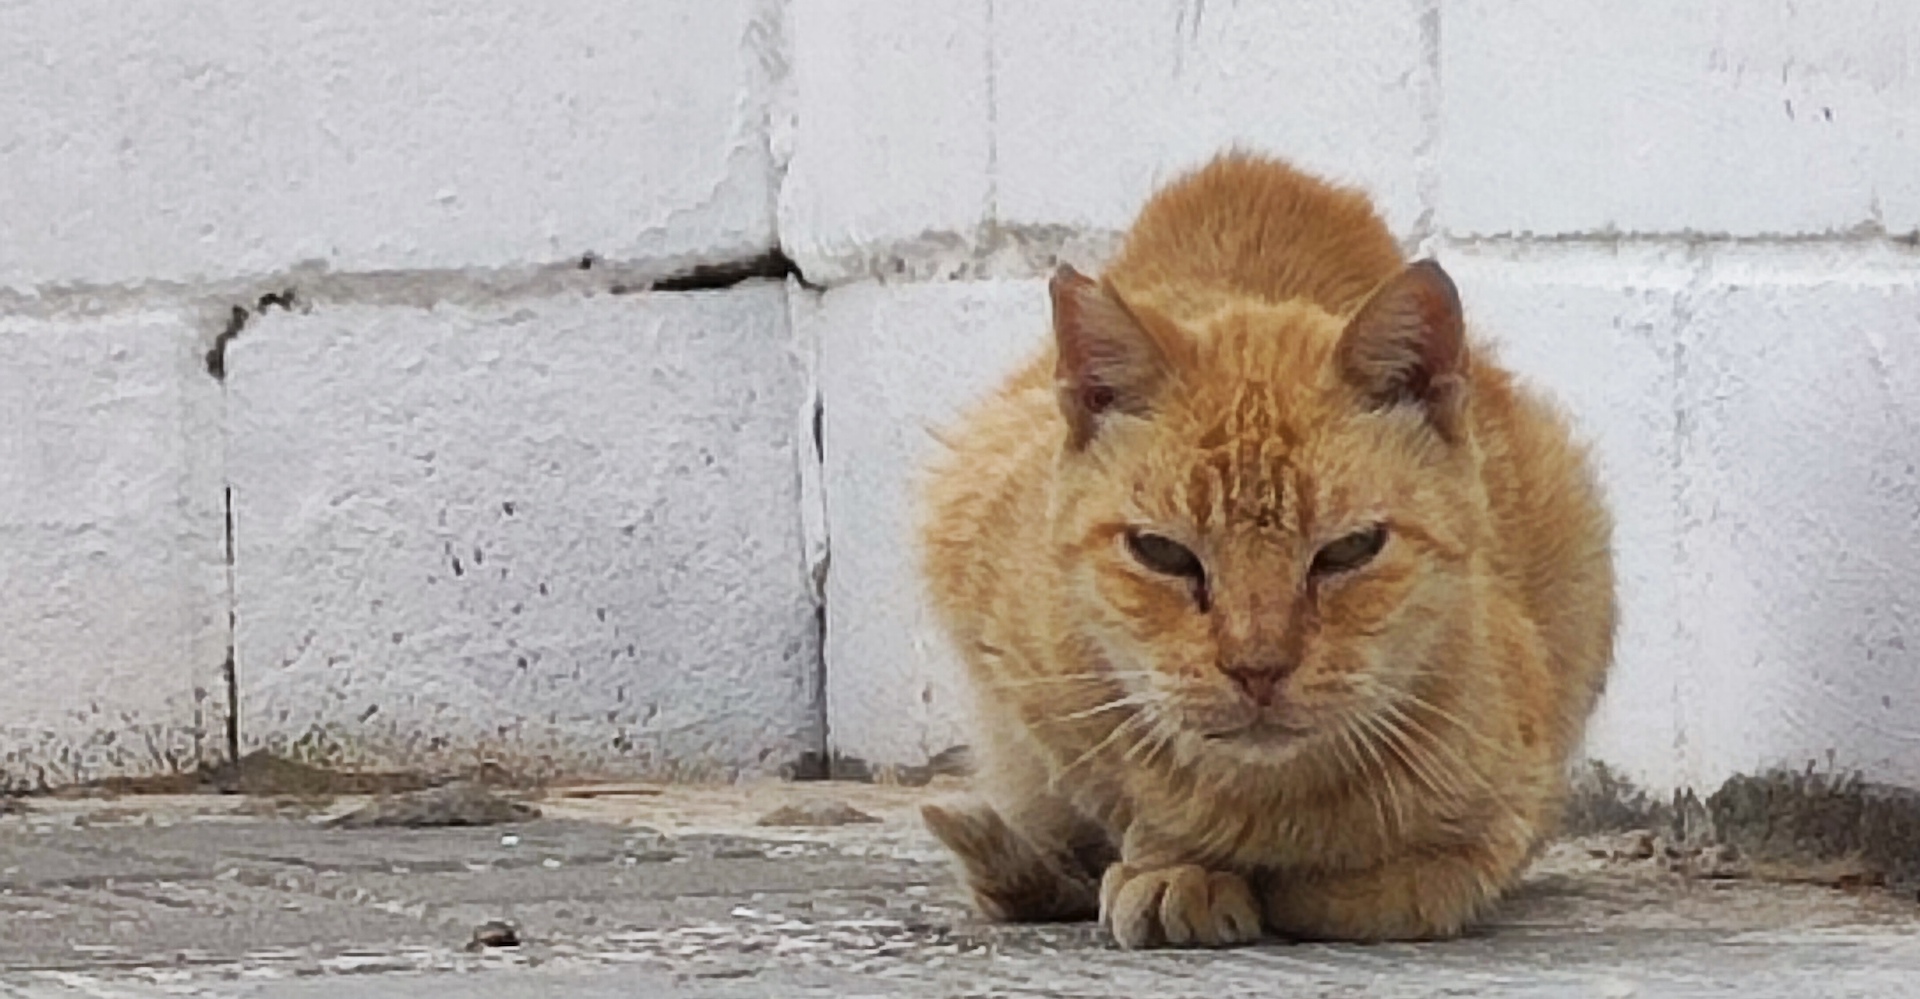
1602 802
816 813
1810 819
463 804
1801 827
257 773
954 761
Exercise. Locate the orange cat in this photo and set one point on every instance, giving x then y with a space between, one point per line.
1285 606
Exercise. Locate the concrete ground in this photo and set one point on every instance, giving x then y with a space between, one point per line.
677 892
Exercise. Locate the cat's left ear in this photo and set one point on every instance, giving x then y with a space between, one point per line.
1108 362
1408 346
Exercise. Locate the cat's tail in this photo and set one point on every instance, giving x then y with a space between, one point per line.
1011 878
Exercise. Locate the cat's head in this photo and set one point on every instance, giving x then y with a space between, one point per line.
1265 514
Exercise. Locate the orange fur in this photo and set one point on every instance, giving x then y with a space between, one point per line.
1272 585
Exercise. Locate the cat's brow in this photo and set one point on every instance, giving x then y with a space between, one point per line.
1244 480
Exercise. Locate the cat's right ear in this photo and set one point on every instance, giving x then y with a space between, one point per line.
1108 362
1408 345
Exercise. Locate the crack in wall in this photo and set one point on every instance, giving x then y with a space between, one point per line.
587 273
821 766
773 265
230 671
237 320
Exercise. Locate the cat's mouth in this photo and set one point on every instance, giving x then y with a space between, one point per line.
1261 732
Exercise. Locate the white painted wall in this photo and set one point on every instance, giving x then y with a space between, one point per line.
181 141
427 178
1695 225
113 614
560 533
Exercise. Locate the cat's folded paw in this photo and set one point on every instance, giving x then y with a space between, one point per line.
1180 906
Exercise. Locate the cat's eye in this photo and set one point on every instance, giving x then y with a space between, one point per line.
1351 552
1164 555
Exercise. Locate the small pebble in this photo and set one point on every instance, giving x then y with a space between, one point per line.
494 933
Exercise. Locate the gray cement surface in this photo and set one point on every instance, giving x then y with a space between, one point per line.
676 892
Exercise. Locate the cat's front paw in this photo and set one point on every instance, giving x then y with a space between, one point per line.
1179 906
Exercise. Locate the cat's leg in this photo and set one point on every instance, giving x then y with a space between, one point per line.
1013 875
1025 853
1429 890
1425 895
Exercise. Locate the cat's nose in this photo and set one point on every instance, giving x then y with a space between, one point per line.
1260 681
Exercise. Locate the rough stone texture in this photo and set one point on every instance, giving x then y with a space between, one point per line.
561 534
1597 333
459 804
897 362
895 139
1813 817
173 141
1645 116
951 132
1800 383
1081 85
113 609
680 895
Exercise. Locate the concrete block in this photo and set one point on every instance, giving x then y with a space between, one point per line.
172 141
113 606
563 534
893 142
1802 514
933 136
1098 103
1650 117
895 362
1599 335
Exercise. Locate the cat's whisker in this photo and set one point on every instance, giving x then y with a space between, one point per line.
1422 741
1412 740
1397 702
1408 698
1441 778
1161 739
1352 742
1118 703
1392 786
1416 762
1047 681
1400 711
1102 678
1097 748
